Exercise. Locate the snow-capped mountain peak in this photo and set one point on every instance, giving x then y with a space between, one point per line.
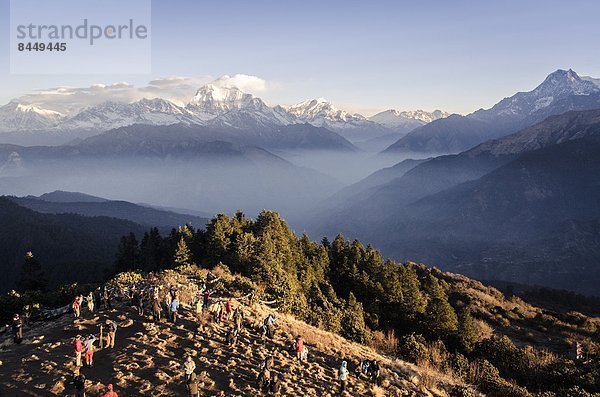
111 114
15 116
319 112
394 118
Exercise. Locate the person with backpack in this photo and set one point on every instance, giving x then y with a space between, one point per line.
343 377
111 332
173 309
110 392
17 327
89 350
191 385
79 383
77 349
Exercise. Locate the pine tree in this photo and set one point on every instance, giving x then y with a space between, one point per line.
440 317
128 254
468 332
353 321
183 255
32 277
413 301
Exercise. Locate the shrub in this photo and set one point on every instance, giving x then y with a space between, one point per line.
413 348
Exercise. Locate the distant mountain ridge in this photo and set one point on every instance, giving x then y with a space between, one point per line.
60 202
213 105
560 92
456 210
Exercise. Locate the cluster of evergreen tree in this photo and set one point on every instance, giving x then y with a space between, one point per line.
341 286
346 288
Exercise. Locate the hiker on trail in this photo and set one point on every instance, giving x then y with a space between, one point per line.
192 385
231 337
90 302
110 392
89 350
106 297
343 377
268 326
76 306
79 383
17 327
111 331
228 309
275 385
77 349
156 310
173 309
189 366
264 379
299 347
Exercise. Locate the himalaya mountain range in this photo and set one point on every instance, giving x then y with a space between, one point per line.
212 106
508 193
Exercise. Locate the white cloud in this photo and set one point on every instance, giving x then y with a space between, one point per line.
177 89
250 84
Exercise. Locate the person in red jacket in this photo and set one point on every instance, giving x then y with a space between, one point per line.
228 309
78 349
110 392
299 346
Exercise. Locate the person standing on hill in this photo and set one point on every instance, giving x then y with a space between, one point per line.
89 350
343 377
238 317
299 347
156 309
110 392
106 297
173 308
17 327
76 306
189 366
206 299
77 349
111 332
79 383
191 385
90 302
139 300
228 309
167 302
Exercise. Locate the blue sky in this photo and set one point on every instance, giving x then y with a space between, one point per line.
363 56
